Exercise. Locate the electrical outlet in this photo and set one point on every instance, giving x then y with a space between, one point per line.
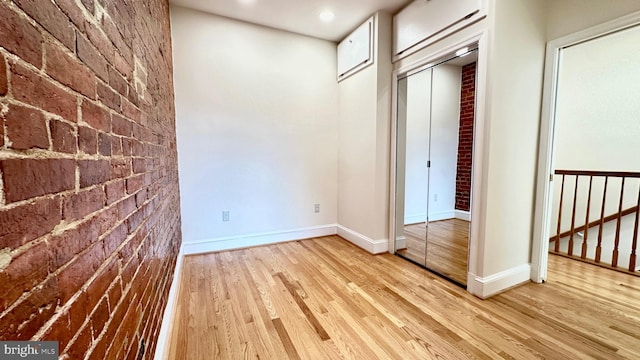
316 208
225 215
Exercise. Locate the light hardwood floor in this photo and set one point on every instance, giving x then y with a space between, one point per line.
327 299
447 247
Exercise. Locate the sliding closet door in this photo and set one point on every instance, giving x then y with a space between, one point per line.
414 109
447 236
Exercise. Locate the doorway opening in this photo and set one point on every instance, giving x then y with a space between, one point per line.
589 175
435 124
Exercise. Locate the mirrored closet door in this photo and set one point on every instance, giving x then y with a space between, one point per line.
435 122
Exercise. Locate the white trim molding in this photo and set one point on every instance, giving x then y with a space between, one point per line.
463 215
484 287
364 242
257 239
164 337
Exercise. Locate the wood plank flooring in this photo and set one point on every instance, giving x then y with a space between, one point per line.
327 299
447 247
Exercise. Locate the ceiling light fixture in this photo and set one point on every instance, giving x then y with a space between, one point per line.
327 16
247 2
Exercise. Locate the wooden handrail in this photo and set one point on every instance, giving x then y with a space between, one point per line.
627 174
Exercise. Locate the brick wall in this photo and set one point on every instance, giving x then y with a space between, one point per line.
89 202
465 137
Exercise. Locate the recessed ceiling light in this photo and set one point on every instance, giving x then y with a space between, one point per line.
327 16
462 51
247 2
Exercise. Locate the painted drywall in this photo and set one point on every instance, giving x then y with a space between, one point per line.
257 113
568 16
596 124
515 68
364 130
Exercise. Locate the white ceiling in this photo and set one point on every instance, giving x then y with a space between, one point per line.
298 16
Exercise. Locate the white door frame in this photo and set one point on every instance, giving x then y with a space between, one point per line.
476 242
544 184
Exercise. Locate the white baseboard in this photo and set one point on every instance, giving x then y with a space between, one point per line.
484 287
164 340
258 239
364 242
401 242
463 215
443 215
415 219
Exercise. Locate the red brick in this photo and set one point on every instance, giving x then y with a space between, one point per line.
127 147
120 168
65 68
20 37
92 58
98 288
24 272
78 313
77 206
139 165
26 128
89 5
80 346
104 144
93 172
102 43
126 206
130 111
116 145
63 137
115 293
99 350
134 184
71 242
121 126
74 12
59 331
117 82
47 14
114 239
30 88
111 29
107 219
3 78
27 178
76 274
114 191
109 97
87 140
100 317
123 66
96 116
25 223
21 323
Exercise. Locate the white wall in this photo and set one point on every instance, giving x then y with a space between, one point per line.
515 68
568 16
257 113
364 143
596 126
